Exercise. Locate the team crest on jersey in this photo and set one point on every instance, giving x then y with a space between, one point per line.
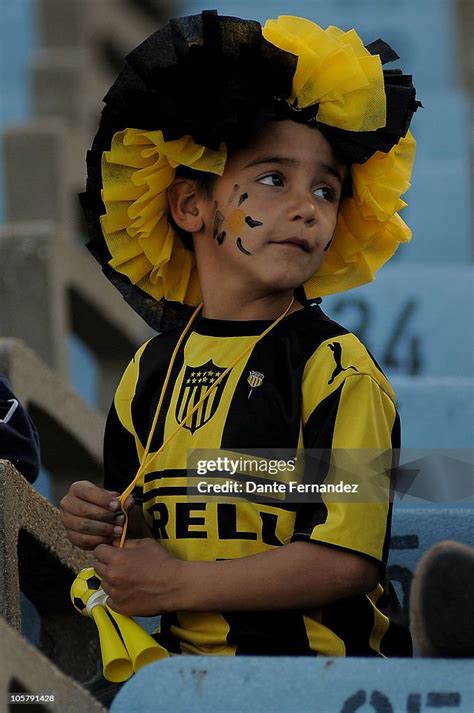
254 379
196 381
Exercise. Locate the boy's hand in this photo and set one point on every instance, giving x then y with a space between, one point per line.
142 579
92 515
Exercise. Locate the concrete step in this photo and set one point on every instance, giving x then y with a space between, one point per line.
284 685
439 199
435 412
438 211
416 320
450 105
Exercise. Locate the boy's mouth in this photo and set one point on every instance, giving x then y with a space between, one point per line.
297 242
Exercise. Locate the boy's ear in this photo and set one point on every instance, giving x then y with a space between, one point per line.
185 205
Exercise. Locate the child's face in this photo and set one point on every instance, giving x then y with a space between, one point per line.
273 213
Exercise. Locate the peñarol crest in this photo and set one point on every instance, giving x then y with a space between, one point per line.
196 381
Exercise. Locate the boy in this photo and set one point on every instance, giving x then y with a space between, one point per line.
248 173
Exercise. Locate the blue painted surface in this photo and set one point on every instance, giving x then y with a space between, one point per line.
438 210
298 685
18 37
416 320
83 369
30 621
442 105
415 530
436 412
43 484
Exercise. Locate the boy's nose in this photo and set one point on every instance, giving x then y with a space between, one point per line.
302 207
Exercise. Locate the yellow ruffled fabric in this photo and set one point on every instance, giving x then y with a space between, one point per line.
369 229
136 174
335 70
140 167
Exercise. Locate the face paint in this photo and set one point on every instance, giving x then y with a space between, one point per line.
243 198
221 237
233 193
217 223
241 247
252 223
328 245
235 222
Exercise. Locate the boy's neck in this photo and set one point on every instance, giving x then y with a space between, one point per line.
262 308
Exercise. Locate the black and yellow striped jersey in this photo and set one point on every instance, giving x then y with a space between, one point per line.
309 383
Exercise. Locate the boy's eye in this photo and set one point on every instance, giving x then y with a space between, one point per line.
271 179
325 192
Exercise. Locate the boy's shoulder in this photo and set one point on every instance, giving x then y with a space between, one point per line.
339 354
156 351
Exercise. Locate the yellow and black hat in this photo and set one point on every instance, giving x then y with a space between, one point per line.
203 85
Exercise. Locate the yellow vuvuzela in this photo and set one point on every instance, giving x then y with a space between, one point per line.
124 645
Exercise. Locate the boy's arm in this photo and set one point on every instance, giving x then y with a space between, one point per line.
144 579
300 575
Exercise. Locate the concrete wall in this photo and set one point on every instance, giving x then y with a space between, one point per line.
25 673
51 292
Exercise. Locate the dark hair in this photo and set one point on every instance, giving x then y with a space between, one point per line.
204 181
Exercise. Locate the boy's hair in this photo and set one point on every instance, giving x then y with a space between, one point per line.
203 85
204 180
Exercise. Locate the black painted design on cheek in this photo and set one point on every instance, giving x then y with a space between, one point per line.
241 247
328 245
221 237
243 198
217 223
251 222
234 192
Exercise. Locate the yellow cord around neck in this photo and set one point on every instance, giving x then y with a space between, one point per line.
144 460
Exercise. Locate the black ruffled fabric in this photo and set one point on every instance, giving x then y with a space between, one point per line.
216 79
213 78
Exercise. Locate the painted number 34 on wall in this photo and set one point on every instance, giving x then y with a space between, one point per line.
401 350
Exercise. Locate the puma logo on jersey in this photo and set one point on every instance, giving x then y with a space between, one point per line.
336 349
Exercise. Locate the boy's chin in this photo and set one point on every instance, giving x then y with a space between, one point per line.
281 282
278 288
